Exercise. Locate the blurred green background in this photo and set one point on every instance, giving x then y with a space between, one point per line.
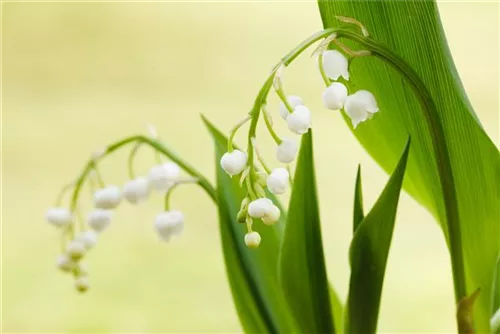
76 76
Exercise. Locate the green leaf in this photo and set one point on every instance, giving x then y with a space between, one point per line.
412 29
368 254
302 268
252 273
495 290
358 214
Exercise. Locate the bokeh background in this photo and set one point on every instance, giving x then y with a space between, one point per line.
77 76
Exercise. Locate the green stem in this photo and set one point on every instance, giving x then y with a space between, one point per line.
269 126
159 147
440 149
131 158
168 195
233 131
325 78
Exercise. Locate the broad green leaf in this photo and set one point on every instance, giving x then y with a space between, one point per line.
369 251
358 214
302 268
252 273
412 29
495 291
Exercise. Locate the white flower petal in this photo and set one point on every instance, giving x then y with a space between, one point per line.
335 65
234 162
99 219
272 216
286 151
137 190
299 121
293 101
169 223
260 207
360 106
277 181
334 96
107 198
59 217
252 239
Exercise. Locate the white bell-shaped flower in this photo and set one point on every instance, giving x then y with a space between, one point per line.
59 217
88 238
334 96
272 216
99 219
286 151
360 106
76 250
65 263
234 162
277 181
260 207
293 101
108 197
169 223
162 177
264 209
136 190
495 322
299 121
82 283
252 239
335 64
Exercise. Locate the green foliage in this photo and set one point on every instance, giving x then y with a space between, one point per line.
369 251
302 268
252 273
358 212
413 31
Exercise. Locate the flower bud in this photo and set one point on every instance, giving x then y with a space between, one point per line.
82 283
88 238
495 322
252 239
335 65
299 121
277 181
99 219
286 151
162 177
107 198
293 101
272 216
259 207
334 96
262 178
76 250
233 162
137 190
65 263
360 106
169 223
59 217
241 217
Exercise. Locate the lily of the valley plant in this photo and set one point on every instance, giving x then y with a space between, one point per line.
268 249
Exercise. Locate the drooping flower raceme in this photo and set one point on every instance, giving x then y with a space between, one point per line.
360 106
293 101
169 223
234 162
88 238
108 197
277 181
334 96
335 64
136 190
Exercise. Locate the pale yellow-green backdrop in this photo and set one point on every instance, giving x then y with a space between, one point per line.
79 75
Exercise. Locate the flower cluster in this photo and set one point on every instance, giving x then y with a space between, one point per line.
163 178
359 107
